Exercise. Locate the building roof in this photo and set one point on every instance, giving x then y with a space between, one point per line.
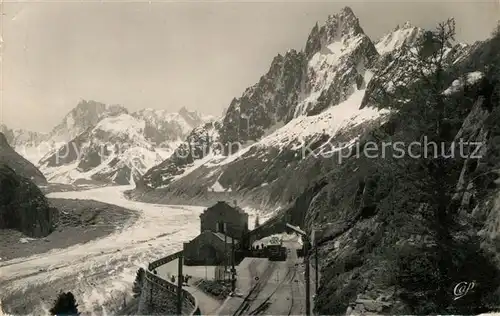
222 237
220 203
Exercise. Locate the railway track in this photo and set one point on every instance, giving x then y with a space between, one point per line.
255 290
265 304
291 294
297 306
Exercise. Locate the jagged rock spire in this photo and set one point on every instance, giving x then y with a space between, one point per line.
337 26
343 23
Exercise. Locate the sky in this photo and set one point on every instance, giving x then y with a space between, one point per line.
170 54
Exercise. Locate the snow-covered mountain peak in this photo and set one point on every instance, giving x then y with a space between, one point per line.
337 26
304 94
85 115
114 150
343 23
114 145
86 108
192 118
162 125
209 118
406 25
406 35
339 53
184 111
115 109
96 141
121 125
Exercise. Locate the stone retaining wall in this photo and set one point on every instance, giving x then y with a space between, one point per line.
159 296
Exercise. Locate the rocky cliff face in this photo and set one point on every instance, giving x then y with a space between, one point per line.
369 222
366 231
339 55
23 206
18 163
333 65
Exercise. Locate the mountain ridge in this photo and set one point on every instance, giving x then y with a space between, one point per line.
117 146
162 129
342 61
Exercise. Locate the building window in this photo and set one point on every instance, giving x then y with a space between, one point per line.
220 227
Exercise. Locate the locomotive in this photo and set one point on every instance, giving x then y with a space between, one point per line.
275 250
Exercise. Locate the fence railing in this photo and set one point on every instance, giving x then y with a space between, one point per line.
189 300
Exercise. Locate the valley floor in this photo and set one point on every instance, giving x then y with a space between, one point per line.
100 272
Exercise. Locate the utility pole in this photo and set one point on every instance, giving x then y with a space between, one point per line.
225 251
308 277
179 286
233 270
316 269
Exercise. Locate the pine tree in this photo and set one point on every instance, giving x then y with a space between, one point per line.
139 279
65 305
427 185
496 30
190 149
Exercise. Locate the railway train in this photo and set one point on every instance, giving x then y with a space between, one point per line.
276 253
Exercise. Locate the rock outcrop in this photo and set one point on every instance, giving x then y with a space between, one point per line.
23 206
18 163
